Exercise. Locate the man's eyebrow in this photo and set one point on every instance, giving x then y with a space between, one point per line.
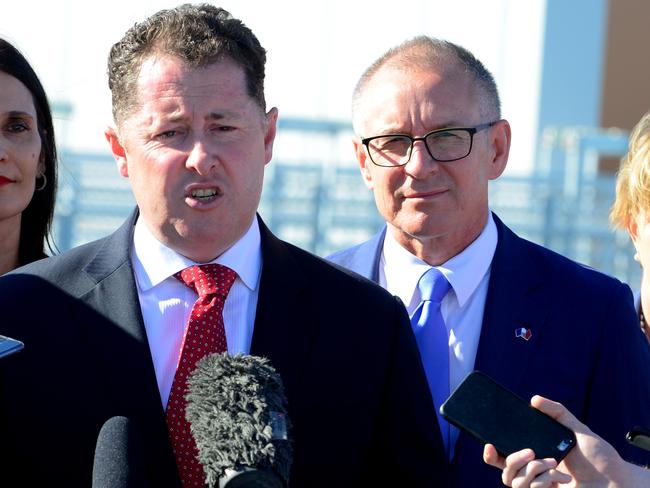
180 117
395 129
221 115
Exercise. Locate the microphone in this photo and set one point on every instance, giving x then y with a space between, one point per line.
237 412
118 456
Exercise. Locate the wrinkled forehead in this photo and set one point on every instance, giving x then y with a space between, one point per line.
160 73
434 96
168 86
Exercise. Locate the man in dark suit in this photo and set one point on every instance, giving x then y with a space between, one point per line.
104 324
430 137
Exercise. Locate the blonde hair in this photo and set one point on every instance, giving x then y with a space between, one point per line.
633 179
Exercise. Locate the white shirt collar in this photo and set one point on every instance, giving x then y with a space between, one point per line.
464 271
154 262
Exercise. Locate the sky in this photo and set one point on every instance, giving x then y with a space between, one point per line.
316 52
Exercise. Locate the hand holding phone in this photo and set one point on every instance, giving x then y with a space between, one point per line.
9 346
491 413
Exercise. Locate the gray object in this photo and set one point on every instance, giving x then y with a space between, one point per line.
236 408
119 461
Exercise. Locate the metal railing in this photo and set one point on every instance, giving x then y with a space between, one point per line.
321 204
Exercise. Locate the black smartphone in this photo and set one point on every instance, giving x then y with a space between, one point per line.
640 437
492 413
9 346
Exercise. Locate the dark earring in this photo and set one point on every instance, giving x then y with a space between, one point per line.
44 184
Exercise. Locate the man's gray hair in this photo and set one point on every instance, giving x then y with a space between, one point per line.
428 52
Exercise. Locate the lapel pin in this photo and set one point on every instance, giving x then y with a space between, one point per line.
524 333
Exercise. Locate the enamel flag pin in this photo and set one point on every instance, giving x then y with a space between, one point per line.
524 333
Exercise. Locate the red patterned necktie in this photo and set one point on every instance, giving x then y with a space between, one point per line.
205 334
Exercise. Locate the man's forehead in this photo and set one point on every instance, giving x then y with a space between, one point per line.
166 72
402 85
404 72
397 97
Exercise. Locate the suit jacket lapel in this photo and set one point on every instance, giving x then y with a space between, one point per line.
280 333
371 255
121 340
514 301
115 329
515 310
363 259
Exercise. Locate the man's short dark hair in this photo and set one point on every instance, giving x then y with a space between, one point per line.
199 35
427 52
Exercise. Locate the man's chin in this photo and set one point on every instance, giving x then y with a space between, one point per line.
421 228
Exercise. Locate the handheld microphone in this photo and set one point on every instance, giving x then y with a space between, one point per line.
237 412
118 456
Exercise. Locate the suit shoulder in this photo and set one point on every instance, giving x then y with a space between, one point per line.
60 270
570 272
344 256
334 273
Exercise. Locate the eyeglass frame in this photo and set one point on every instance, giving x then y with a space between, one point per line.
470 130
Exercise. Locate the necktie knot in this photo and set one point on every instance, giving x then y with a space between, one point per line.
208 279
433 286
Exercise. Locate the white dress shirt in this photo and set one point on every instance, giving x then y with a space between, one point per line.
166 303
462 308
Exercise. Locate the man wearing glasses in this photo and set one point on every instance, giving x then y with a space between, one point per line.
429 138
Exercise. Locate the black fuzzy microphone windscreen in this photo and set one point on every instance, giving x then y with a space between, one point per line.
119 456
237 412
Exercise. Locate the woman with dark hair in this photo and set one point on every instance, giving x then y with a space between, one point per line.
27 163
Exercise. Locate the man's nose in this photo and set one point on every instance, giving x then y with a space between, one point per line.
421 162
200 158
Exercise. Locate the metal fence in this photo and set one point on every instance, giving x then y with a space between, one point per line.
320 203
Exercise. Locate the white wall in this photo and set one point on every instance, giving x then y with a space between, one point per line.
316 52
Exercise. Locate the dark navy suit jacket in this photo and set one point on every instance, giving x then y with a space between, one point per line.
586 349
356 390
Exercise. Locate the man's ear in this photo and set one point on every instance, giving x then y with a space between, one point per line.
500 136
119 153
364 161
269 133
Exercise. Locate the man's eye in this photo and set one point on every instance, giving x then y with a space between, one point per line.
167 134
224 128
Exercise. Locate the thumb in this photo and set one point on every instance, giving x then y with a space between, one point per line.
557 411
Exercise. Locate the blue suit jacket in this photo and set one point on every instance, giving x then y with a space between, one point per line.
586 349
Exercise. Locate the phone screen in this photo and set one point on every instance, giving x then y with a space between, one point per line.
494 414
9 346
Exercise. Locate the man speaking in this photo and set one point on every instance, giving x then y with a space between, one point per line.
115 327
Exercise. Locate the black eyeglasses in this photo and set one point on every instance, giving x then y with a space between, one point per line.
443 145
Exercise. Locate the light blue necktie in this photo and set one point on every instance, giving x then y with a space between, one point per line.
433 341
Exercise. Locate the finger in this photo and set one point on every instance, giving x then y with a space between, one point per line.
557 411
516 465
534 473
492 457
551 478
